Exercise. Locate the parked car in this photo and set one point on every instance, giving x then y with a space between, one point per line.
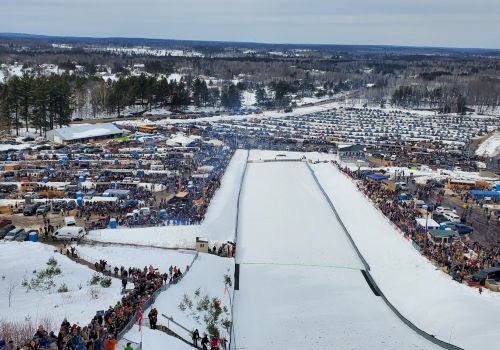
442 210
451 217
5 222
43 209
13 234
489 273
6 229
56 206
460 228
21 236
29 210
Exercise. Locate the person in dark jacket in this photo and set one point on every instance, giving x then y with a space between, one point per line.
204 342
196 335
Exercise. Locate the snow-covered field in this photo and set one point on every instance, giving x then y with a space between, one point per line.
206 274
301 285
21 260
128 256
428 297
490 147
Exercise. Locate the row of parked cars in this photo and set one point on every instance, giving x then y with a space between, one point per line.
10 232
446 217
70 232
38 208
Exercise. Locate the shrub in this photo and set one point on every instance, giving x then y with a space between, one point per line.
106 282
52 262
95 279
63 288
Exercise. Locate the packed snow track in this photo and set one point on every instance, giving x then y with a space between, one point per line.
301 285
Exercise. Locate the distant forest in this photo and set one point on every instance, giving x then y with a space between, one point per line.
445 80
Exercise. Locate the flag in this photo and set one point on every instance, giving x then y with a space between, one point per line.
139 318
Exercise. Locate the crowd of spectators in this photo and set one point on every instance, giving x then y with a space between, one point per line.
461 258
103 331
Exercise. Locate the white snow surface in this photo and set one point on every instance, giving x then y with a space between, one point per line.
297 214
128 256
157 236
428 297
490 147
18 147
300 281
220 218
152 340
20 259
207 274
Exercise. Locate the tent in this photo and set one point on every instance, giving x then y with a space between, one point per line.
431 224
479 194
377 177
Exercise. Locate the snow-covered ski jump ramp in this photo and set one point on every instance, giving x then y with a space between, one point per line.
301 282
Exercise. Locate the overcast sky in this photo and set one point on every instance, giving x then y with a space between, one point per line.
451 23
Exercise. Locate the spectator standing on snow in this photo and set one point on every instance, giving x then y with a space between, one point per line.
153 318
196 335
204 342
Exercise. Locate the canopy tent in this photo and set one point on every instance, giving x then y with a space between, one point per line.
431 224
377 177
479 194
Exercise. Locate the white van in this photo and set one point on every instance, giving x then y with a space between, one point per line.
71 233
70 221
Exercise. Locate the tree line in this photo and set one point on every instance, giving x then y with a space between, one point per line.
39 102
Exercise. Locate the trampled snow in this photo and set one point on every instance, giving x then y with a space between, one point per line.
428 297
128 256
301 285
20 260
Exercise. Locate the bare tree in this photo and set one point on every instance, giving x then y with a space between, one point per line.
10 289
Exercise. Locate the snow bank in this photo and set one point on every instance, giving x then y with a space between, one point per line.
428 297
20 260
18 147
207 274
183 237
152 340
220 218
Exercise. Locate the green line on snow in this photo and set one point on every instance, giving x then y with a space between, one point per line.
302 265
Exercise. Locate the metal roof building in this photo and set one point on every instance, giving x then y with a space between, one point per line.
82 133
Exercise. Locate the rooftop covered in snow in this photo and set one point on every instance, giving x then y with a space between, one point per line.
82 132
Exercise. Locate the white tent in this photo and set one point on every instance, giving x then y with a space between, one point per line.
431 223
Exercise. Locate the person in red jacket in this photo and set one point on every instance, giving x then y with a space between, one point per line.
213 344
